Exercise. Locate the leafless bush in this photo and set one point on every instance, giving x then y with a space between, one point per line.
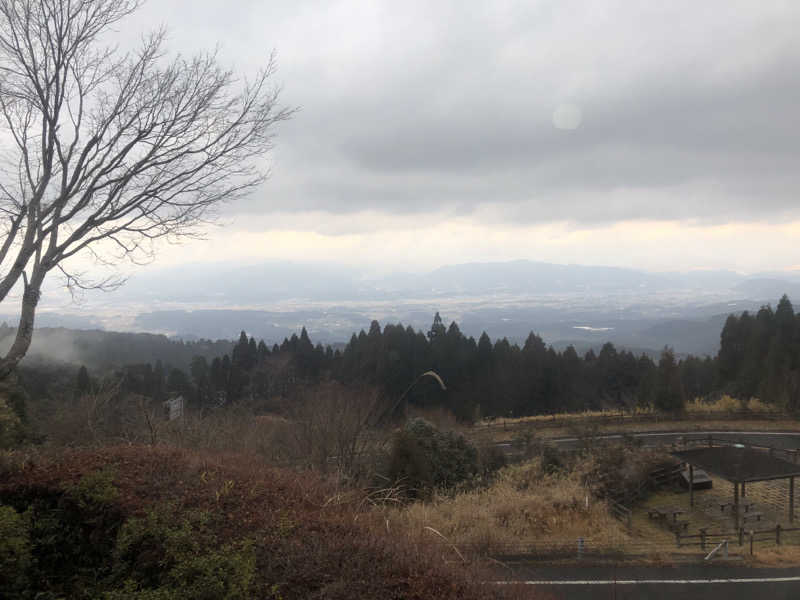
331 426
108 415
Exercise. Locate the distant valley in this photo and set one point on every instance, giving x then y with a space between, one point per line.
566 304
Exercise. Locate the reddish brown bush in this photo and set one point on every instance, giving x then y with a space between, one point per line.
307 540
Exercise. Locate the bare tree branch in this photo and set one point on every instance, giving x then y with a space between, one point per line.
112 150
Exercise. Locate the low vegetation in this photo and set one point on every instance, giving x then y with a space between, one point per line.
525 506
544 502
143 522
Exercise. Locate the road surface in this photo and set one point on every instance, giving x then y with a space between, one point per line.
776 439
694 582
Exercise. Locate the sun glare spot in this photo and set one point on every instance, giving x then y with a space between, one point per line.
567 116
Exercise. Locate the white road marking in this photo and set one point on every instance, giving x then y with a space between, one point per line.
699 434
648 581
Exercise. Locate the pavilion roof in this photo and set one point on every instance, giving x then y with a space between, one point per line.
739 464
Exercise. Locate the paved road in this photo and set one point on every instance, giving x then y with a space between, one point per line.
699 582
777 439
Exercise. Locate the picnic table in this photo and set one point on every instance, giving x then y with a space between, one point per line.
746 505
752 515
662 512
682 525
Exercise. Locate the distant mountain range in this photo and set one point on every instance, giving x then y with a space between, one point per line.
271 281
582 305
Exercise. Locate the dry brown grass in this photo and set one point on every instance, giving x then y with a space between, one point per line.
523 507
728 404
724 404
775 556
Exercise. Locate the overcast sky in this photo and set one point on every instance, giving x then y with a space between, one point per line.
659 135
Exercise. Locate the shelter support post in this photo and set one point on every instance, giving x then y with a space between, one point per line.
744 490
736 503
791 499
691 485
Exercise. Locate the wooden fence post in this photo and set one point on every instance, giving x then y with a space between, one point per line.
678 538
741 535
778 534
703 539
751 542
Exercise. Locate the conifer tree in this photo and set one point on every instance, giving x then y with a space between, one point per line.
669 395
83 383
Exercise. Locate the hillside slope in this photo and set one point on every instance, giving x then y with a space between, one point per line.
142 522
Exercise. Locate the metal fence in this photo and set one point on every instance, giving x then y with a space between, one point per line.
685 547
774 536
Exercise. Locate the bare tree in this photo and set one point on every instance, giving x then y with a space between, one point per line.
104 152
334 424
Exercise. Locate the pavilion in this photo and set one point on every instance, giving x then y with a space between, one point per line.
739 465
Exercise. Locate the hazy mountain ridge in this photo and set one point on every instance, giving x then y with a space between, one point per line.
585 305
272 281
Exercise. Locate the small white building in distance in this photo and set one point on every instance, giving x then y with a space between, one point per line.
173 408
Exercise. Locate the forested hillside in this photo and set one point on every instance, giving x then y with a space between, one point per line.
759 357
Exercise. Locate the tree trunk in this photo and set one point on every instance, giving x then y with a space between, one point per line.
22 341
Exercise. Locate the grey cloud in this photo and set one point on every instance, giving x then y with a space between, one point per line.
689 111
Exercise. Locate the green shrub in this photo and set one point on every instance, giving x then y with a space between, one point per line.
11 429
95 489
161 557
491 459
552 460
424 458
15 551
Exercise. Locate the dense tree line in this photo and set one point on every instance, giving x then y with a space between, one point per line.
759 357
483 378
486 378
